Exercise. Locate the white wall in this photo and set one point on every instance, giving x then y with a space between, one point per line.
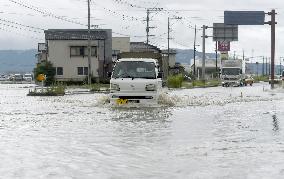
121 43
59 56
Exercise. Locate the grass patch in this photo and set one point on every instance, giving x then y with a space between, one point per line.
175 81
54 90
261 78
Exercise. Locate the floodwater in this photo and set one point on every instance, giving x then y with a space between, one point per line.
200 133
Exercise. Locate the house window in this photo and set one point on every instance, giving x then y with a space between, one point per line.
82 70
82 51
77 51
94 51
85 70
59 71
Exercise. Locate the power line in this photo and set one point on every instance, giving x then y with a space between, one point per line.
44 12
16 23
20 34
36 9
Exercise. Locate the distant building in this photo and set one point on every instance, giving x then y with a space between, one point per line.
120 45
172 57
210 67
143 47
67 50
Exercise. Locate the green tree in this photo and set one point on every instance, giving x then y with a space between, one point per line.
47 69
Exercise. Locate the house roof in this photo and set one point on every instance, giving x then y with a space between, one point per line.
142 46
76 34
172 51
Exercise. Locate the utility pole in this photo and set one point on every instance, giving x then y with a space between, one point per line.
216 60
149 10
147 28
194 53
281 66
243 63
266 67
269 67
263 66
167 63
89 45
204 27
272 23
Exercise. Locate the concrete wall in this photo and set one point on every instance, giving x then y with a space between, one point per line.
172 60
59 56
121 43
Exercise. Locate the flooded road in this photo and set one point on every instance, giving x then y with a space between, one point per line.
200 133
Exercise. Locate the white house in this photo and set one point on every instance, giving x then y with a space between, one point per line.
67 51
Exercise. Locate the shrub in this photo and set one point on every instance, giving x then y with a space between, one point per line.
175 81
47 69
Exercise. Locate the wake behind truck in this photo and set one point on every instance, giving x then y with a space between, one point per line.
231 73
135 81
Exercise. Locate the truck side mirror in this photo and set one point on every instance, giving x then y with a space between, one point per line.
109 74
160 75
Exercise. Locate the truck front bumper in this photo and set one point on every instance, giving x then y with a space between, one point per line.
123 99
231 83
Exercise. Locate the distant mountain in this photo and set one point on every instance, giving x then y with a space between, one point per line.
185 56
24 60
12 61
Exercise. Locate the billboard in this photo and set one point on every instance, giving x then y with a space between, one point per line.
244 17
222 32
224 46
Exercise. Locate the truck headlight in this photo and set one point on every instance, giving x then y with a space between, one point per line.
150 87
114 87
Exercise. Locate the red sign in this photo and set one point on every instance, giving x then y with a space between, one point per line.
224 46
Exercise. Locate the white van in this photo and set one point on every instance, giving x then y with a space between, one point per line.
135 80
28 77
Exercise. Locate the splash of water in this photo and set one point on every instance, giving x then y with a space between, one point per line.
167 99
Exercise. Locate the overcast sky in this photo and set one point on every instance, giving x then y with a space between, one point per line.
126 17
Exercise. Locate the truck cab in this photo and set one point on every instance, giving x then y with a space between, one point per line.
231 73
135 80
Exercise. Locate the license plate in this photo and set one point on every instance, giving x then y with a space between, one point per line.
121 101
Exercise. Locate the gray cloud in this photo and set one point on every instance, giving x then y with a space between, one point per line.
117 15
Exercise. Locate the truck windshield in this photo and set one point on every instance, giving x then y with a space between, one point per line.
134 69
231 71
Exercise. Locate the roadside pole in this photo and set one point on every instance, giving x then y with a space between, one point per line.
204 27
194 53
272 23
89 45
263 66
217 76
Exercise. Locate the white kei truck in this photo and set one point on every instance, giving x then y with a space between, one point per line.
135 81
